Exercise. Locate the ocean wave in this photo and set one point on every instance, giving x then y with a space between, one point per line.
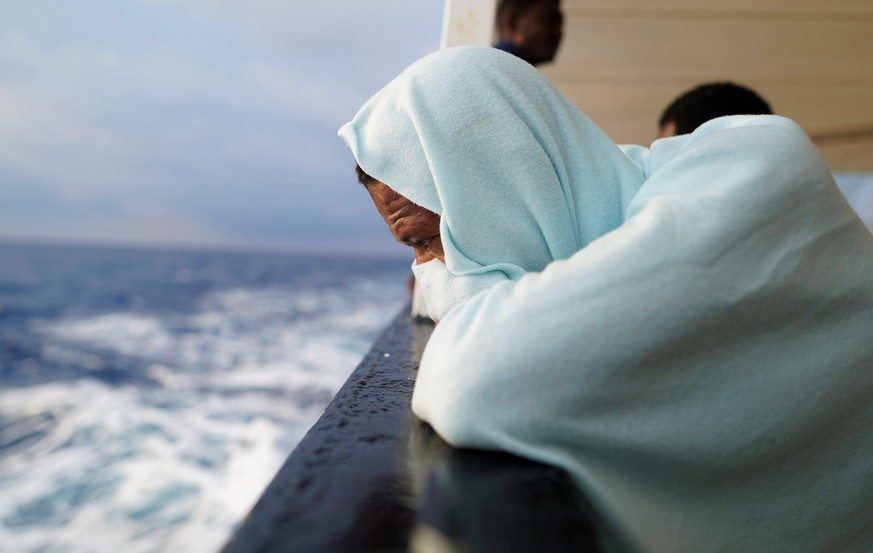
172 459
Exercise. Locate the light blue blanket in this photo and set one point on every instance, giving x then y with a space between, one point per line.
520 176
702 365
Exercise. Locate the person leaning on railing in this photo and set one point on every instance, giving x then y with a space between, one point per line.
687 332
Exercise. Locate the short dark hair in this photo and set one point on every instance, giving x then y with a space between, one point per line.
516 5
363 177
711 100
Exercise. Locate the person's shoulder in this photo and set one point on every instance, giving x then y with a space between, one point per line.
728 122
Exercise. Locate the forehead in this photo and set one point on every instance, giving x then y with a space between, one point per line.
393 207
543 10
544 7
385 197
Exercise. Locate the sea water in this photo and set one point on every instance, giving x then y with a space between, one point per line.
148 397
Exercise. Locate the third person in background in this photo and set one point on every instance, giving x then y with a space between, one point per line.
708 101
530 29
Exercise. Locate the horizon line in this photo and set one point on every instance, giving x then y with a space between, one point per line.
309 248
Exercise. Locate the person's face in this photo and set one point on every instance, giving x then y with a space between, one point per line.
538 30
410 224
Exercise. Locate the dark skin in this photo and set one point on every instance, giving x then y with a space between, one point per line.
535 31
667 130
410 224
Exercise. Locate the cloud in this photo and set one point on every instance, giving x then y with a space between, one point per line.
194 118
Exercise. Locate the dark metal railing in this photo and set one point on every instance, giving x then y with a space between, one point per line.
369 477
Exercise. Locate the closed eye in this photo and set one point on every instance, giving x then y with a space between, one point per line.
420 243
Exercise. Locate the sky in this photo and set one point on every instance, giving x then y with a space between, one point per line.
195 122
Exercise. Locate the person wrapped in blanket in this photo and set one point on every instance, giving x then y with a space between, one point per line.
687 329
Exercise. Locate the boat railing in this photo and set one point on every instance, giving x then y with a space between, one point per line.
370 477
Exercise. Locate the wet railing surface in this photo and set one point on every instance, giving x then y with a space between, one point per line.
370 477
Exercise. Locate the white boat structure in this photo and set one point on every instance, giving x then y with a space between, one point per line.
623 61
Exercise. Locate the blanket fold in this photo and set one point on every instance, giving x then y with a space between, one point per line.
686 328
705 370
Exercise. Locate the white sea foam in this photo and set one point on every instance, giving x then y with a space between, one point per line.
174 465
127 333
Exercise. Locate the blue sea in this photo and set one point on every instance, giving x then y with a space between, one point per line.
147 397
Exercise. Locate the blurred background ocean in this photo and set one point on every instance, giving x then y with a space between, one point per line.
148 396
155 369
151 386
